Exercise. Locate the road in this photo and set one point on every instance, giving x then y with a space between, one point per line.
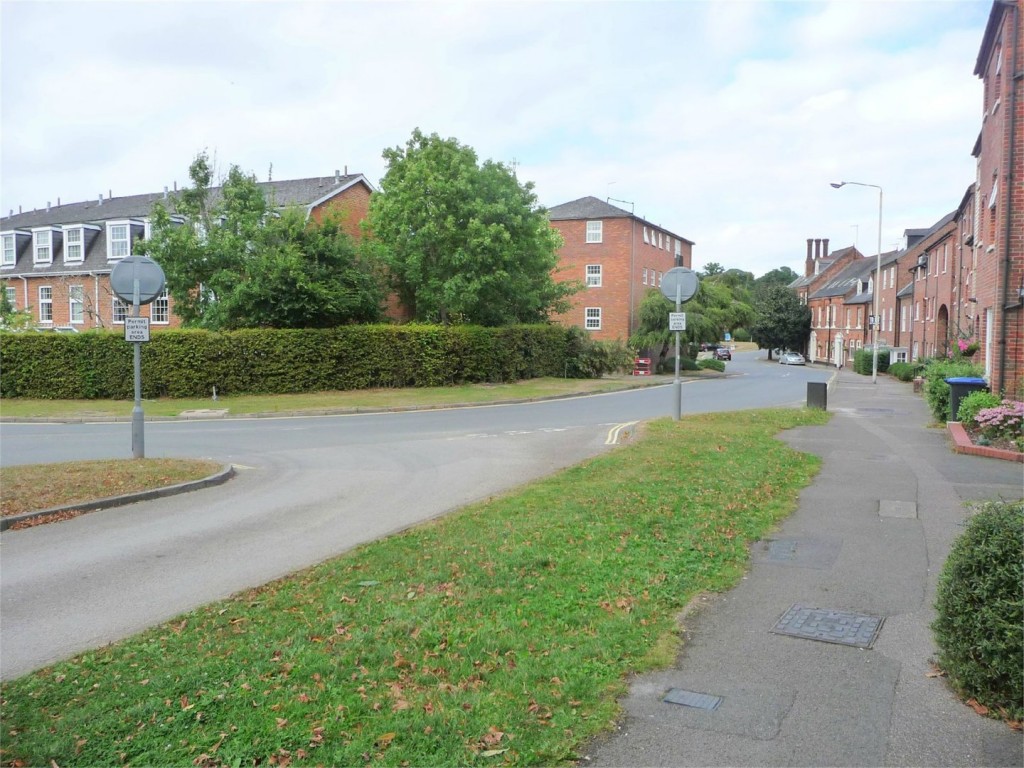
307 489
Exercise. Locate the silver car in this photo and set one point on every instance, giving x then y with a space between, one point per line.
791 358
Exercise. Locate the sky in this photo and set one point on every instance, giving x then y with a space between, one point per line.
723 122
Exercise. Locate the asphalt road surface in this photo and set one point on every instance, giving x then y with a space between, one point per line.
307 489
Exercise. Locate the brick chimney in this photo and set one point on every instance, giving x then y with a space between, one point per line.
824 248
809 263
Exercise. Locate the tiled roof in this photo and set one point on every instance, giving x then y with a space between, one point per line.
592 208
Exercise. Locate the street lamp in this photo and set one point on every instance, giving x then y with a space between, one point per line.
878 275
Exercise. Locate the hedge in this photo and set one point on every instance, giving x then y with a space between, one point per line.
190 363
936 390
864 362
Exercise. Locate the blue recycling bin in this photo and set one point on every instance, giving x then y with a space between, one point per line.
959 388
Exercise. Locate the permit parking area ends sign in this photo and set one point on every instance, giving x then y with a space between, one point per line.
136 329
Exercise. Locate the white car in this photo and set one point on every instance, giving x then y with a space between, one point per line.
791 358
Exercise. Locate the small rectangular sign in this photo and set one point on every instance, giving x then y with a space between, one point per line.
136 329
677 321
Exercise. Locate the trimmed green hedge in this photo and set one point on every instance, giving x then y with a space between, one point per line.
980 610
905 371
863 361
190 363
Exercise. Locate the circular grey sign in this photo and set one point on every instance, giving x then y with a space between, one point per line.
681 278
141 269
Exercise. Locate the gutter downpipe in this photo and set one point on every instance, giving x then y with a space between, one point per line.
1018 76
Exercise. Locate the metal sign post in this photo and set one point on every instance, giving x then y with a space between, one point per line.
140 280
681 284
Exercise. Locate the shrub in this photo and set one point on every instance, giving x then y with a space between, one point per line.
974 402
741 334
1002 422
905 371
936 390
864 361
980 605
713 364
589 359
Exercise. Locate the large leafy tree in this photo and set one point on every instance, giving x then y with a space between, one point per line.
781 321
779 276
233 262
464 241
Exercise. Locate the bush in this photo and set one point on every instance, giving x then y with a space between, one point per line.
974 402
713 364
936 390
1004 421
864 361
589 359
980 605
741 334
905 371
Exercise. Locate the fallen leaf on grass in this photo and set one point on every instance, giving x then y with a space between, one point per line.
493 752
981 709
383 742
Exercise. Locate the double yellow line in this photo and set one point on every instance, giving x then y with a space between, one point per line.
614 432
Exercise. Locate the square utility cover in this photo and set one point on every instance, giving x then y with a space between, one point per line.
842 627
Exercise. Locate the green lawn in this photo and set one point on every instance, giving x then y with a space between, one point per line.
322 401
500 634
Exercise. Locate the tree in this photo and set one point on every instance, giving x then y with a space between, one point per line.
12 319
464 241
780 276
232 262
781 321
711 269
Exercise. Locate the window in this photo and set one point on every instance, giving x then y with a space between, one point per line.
945 258
118 240
120 311
76 304
903 318
661 276
45 304
12 295
679 248
645 275
860 317
9 251
647 237
593 319
848 316
593 275
160 309
73 244
42 246
595 230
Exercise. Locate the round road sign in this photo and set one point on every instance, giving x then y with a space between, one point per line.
137 270
681 278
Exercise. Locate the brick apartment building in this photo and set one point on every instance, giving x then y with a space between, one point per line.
963 277
56 262
619 257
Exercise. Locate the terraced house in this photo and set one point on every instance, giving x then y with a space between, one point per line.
56 262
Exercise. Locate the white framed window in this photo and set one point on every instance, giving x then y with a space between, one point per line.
903 318
10 253
120 311
595 231
592 321
74 244
12 295
661 276
159 311
45 304
42 246
661 240
645 275
593 275
945 258
647 237
76 304
848 312
119 240
679 248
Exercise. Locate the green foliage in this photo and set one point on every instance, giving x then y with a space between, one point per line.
190 363
12 319
936 390
780 277
905 371
863 361
781 320
232 262
587 358
465 242
741 334
712 364
980 605
974 402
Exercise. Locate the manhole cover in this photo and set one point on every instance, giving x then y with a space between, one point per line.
798 551
692 699
842 627
905 509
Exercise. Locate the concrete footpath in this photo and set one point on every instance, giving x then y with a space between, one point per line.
857 562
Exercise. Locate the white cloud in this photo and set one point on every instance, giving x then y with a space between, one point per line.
722 121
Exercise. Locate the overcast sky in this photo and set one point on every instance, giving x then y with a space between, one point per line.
722 121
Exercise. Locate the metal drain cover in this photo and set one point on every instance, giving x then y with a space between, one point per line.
798 551
692 699
842 627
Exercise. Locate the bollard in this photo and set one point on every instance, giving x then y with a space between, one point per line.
817 395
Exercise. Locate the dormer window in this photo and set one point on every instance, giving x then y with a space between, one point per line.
74 244
43 245
9 254
119 239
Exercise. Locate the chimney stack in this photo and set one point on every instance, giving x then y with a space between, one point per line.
809 261
175 186
337 176
47 206
101 198
165 191
824 248
346 170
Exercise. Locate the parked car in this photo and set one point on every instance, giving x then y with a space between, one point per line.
723 353
791 358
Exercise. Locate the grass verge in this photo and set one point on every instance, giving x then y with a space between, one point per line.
34 487
320 401
500 634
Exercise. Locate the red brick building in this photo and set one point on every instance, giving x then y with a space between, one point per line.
619 257
56 262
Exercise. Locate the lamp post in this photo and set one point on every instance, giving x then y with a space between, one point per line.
878 275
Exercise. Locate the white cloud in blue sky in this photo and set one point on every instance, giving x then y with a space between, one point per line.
722 121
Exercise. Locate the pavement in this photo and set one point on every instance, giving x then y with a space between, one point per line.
861 556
